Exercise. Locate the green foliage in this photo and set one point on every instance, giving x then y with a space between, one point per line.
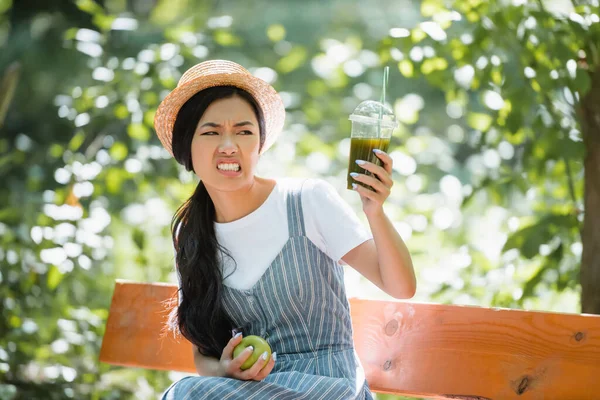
522 72
488 158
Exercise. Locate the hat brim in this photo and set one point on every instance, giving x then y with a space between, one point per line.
267 98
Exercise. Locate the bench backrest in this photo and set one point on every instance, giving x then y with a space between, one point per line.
414 349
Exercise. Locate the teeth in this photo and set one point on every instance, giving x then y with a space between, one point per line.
229 167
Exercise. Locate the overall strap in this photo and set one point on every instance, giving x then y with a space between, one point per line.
294 210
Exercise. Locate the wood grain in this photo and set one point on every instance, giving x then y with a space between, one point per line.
135 330
415 349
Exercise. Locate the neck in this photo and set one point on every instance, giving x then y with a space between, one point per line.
231 206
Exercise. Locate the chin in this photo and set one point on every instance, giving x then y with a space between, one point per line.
225 184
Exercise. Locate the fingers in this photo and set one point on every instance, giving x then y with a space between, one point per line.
256 369
236 364
368 193
267 368
376 184
381 172
385 159
228 350
233 366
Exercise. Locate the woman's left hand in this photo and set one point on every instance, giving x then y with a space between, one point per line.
373 199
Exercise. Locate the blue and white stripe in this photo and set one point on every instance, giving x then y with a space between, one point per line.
300 307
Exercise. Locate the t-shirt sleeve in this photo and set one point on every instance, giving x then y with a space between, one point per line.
338 228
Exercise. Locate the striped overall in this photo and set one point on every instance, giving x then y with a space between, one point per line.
299 306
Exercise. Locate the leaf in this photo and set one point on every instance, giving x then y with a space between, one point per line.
103 21
118 151
517 137
569 149
514 121
56 150
139 132
472 16
312 143
10 215
54 277
293 60
433 64
139 238
15 321
417 35
338 79
89 6
226 38
316 88
406 68
76 141
313 114
276 32
429 8
479 121
5 5
552 262
568 279
529 239
486 182
114 180
149 117
166 11
141 259
121 111
582 82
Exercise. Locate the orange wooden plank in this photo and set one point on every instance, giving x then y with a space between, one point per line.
433 349
418 349
135 335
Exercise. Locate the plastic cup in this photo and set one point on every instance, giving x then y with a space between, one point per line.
372 126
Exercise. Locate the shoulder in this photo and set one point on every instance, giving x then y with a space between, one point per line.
307 187
319 190
314 192
322 199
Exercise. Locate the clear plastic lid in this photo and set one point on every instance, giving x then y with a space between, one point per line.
368 112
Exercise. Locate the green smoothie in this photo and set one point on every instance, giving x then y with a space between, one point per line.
372 126
362 149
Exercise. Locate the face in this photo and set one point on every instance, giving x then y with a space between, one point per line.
226 144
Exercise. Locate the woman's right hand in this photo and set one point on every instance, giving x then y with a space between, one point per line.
232 366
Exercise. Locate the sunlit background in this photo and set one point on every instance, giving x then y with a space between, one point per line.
488 157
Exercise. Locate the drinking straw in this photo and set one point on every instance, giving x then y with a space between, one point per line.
386 73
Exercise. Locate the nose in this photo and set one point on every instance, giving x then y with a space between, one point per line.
228 145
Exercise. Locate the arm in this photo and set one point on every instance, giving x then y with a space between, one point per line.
207 366
231 367
385 260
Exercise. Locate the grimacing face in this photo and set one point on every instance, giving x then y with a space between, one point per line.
225 146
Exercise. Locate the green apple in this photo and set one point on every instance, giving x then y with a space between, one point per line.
260 346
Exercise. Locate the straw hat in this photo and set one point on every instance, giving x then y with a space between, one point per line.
220 73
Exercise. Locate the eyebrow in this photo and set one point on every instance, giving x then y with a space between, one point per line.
214 125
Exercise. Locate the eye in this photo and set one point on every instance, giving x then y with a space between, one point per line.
211 133
246 133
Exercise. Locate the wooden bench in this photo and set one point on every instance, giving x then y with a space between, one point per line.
408 348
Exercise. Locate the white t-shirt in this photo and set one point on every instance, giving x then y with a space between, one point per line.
256 239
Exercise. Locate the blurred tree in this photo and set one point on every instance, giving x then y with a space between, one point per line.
527 80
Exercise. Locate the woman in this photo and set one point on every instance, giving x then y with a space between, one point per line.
265 255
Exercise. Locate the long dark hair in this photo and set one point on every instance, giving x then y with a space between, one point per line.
200 316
